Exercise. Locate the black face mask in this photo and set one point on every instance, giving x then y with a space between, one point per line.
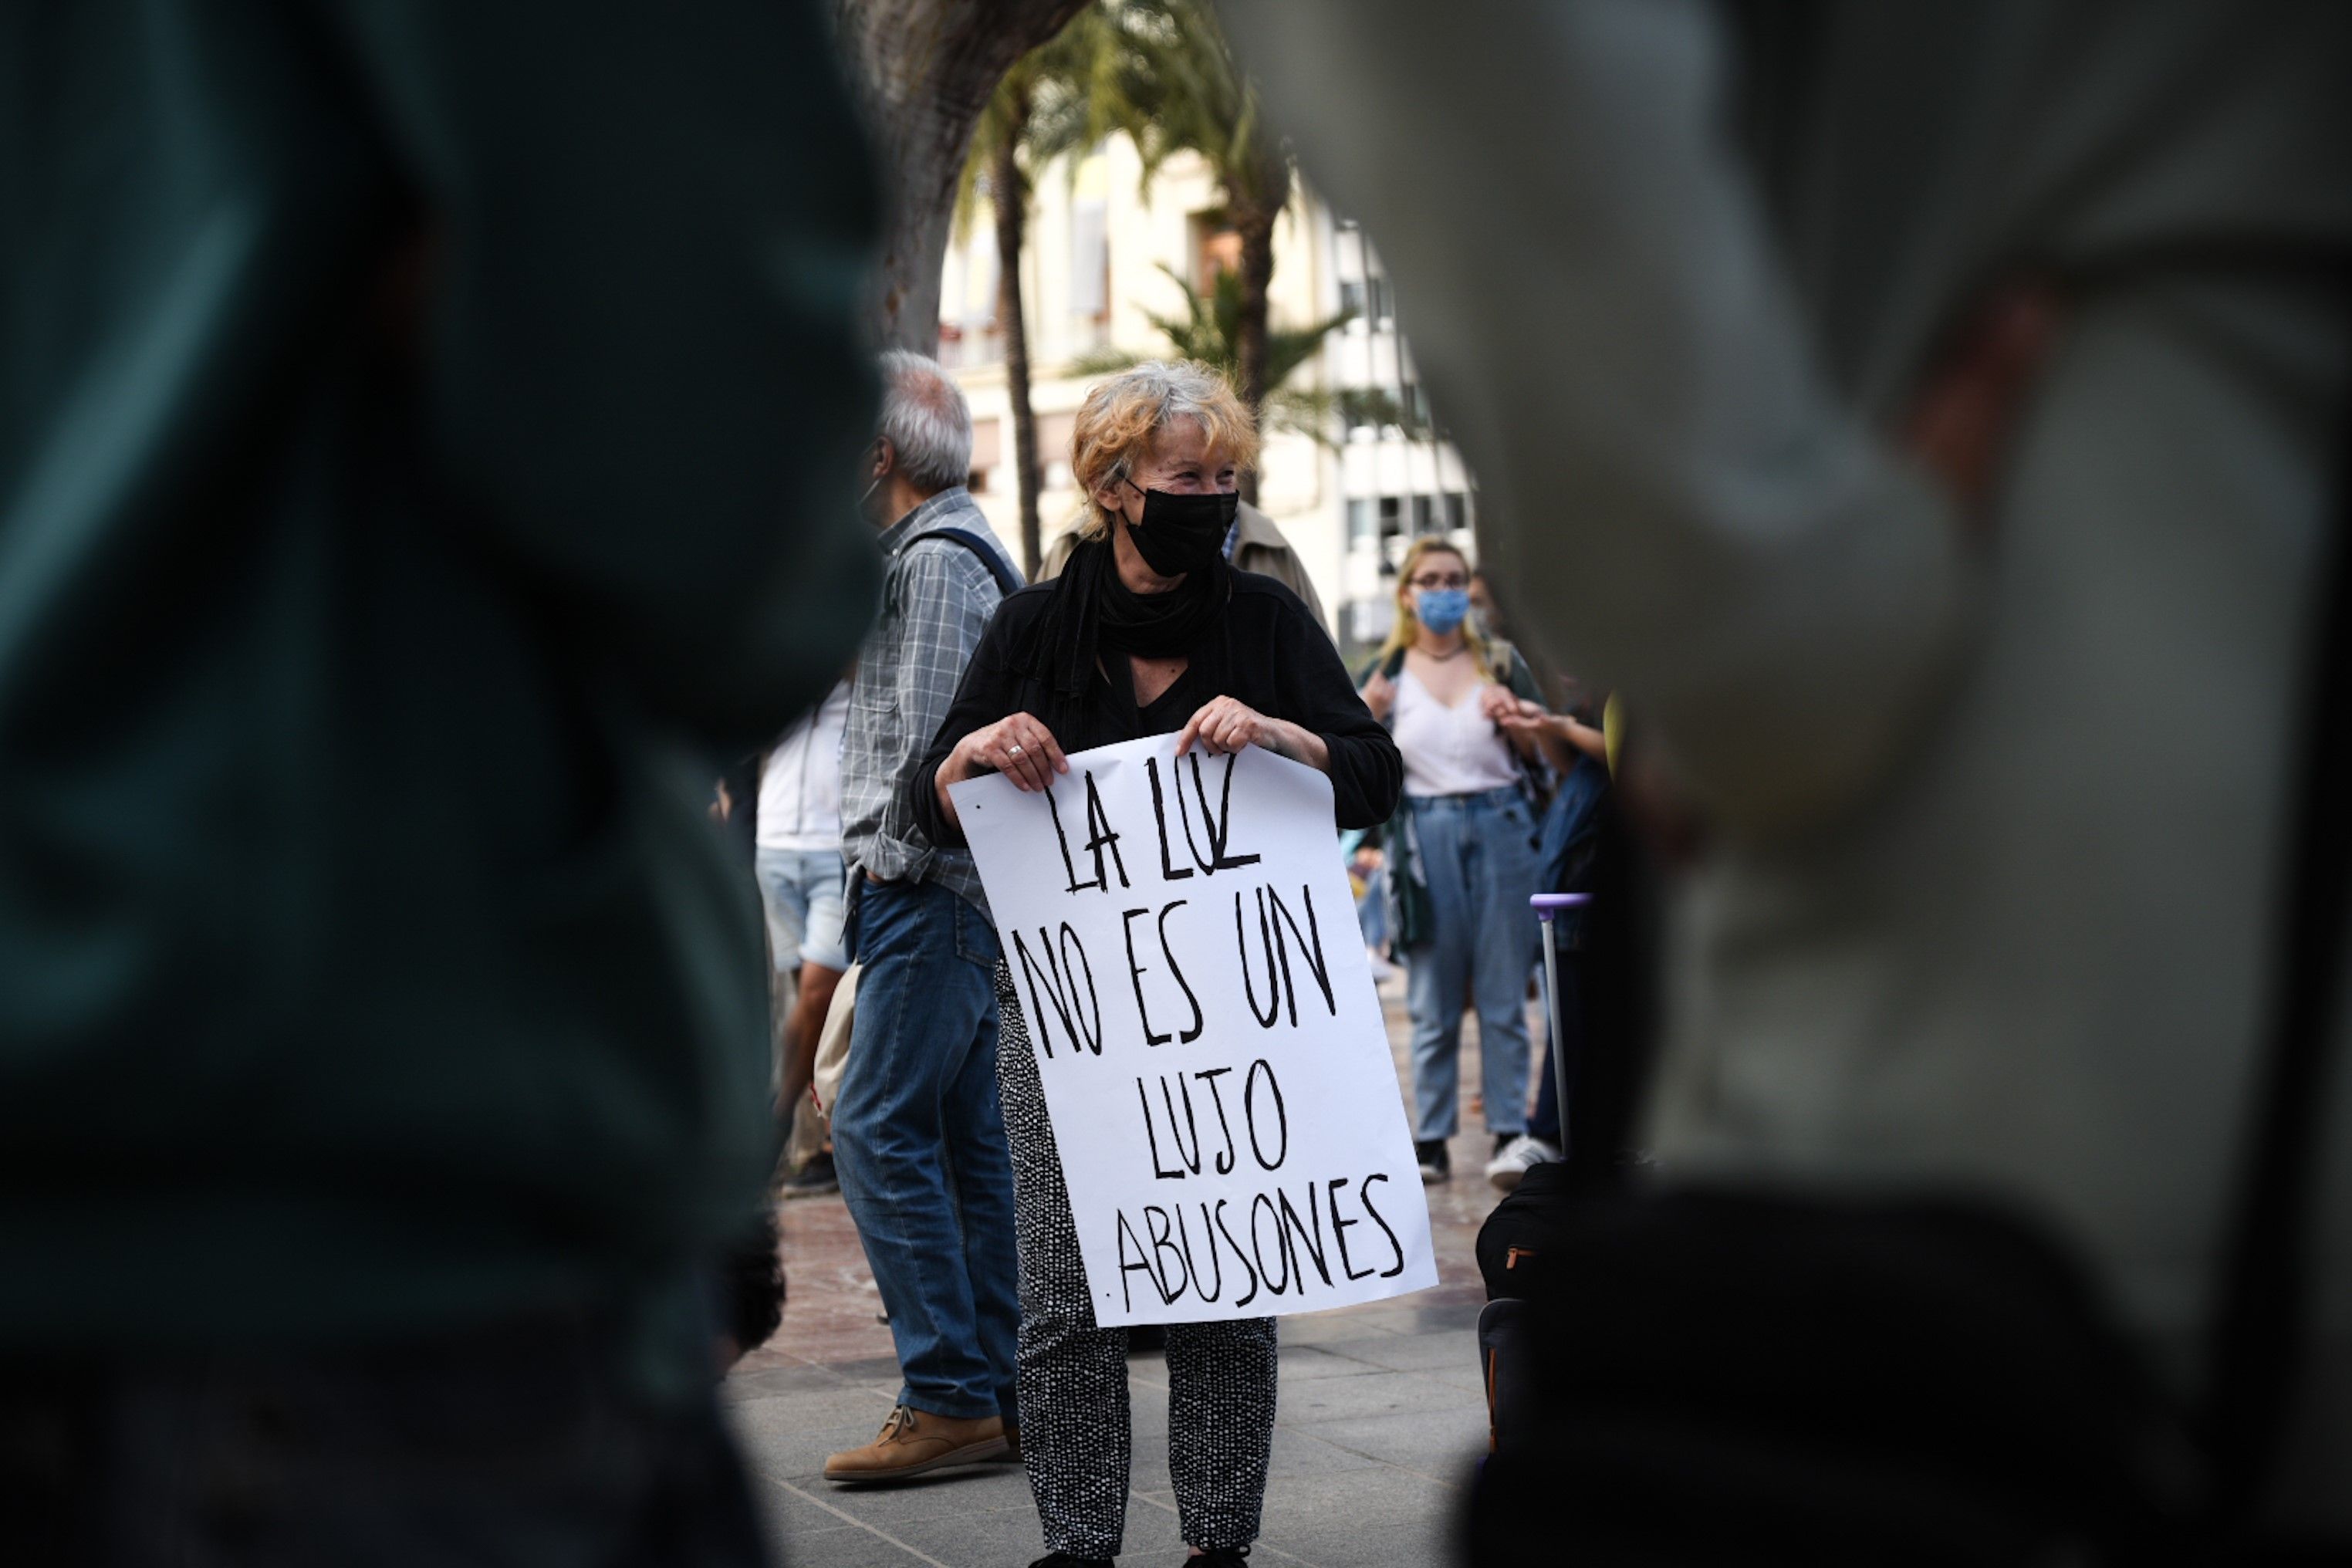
1181 533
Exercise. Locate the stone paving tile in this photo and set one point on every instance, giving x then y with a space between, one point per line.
1438 1444
1361 1518
1372 1394
1410 1353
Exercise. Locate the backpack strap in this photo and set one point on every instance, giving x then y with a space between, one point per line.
1008 580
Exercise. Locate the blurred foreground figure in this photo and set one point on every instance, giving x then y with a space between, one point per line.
399 405
1927 416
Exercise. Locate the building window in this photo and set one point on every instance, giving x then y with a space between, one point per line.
1362 528
1392 517
1425 519
1383 308
1352 296
1457 512
1416 407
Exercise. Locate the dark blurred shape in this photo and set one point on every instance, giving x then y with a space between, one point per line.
422 447
754 1283
1928 418
1725 1377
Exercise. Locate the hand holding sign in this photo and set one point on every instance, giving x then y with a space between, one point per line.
1177 920
1020 747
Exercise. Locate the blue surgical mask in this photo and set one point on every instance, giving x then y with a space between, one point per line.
1441 609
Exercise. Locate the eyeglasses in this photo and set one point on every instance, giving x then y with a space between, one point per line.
1434 579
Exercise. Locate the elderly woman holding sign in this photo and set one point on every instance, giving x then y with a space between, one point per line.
1147 632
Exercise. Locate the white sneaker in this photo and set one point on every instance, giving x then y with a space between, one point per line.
1519 1156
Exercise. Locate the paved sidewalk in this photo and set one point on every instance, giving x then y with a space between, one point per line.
1381 1415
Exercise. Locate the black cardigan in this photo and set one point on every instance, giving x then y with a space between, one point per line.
1266 650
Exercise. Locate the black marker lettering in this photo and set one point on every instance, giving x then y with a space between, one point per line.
1159 820
1135 977
1364 1197
1188 1035
1163 1243
1224 1162
1184 1234
1240 1252
1041 994
1191 1161
1312 942
1293 1226
1273 975
1222 829
1153 1139
1339 1233
1101 835
1257 1247
1062 838
1249 1113
1126 1234
1069 945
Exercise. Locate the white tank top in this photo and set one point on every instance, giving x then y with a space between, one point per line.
1448 750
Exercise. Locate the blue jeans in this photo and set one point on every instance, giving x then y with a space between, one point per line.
1479 856
919 1141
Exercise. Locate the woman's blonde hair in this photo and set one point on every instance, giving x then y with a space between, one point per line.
1408 623
1122 419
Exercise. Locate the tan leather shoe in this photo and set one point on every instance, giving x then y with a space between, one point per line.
914 1442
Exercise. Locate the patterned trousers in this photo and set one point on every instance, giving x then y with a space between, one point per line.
1074 1436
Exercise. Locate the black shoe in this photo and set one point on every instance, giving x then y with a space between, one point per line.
1223 1557
813 1180
1063 1560
1436 1165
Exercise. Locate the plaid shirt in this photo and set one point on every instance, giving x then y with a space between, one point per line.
936 596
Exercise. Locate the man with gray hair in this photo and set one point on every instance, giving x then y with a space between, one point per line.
917 1138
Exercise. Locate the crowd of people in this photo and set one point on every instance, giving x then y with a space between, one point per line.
1933 419
1148 623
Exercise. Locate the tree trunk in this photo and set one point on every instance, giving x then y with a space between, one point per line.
924 69
1010 193
1255 226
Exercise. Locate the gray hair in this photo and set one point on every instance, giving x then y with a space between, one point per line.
926 420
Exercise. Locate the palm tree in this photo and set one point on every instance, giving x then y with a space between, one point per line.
926 68
1056 99
1210 331
1185 93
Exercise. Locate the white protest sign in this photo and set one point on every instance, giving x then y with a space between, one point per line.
1181 936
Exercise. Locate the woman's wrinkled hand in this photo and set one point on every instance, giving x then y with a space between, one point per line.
1227 724
1020 747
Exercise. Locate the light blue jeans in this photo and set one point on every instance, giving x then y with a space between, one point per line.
1479 855
800 892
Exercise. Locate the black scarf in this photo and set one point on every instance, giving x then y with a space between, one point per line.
1093 613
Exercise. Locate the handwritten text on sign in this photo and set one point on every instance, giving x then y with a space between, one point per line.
1181 936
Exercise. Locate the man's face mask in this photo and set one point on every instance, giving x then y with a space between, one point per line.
1181 533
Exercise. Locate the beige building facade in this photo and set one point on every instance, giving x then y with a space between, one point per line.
1091 280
